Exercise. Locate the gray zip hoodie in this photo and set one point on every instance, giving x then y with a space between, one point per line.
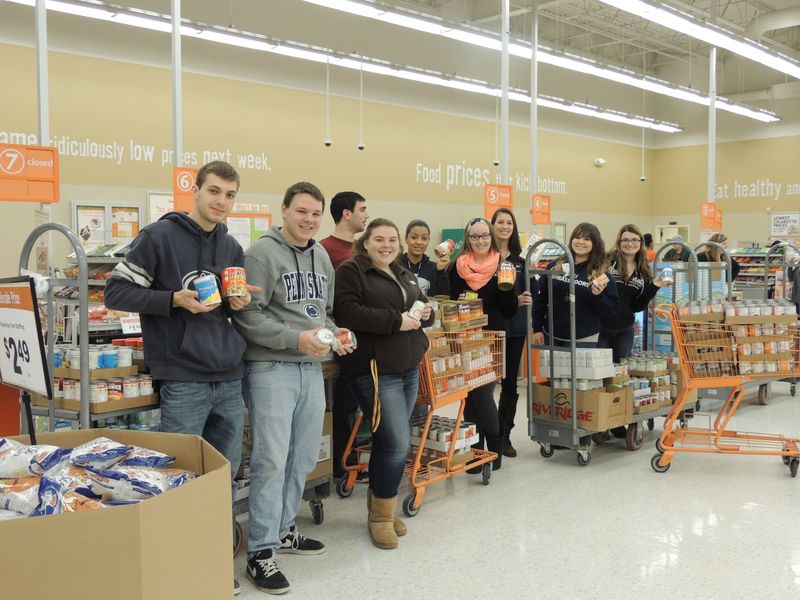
297 294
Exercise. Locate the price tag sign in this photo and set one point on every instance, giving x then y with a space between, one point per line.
131 324
22 356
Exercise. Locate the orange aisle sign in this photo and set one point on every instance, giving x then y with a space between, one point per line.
182 182
708 215
541 209
496 195
29 174
718 219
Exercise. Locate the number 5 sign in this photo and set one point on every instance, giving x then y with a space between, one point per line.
22 357
495 196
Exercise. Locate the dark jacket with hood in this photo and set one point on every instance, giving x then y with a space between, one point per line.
635 293
296 295
165 257
370 303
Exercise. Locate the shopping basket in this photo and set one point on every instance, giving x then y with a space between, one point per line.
716 354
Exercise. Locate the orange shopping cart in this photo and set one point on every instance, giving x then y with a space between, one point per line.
717 354
455 363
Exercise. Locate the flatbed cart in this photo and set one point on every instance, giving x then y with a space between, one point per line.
435 392
552 434
709 358
635 430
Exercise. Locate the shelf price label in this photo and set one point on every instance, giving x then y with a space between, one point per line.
131 324
22 357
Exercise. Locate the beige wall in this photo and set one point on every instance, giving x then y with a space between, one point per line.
129 106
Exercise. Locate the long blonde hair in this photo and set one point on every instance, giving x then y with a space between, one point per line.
714 253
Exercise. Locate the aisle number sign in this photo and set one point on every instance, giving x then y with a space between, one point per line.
22 357
496 195
708 215
28 174
541 209
182 182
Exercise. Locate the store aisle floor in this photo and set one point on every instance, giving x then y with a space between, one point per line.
712 527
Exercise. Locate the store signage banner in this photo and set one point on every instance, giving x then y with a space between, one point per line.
541 209
717 219
28 174
708 215
785 224
496 195
22 356
182 182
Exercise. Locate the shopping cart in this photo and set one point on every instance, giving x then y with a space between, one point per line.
714 354
481 361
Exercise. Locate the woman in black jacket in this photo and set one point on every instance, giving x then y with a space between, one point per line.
594 298
432 276
507 234
635 285
475 270
373 294
714 254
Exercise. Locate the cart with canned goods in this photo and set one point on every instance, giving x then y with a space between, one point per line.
729 351
455 363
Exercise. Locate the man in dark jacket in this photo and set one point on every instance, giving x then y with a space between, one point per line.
191 347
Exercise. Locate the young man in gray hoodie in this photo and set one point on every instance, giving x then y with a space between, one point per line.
283 388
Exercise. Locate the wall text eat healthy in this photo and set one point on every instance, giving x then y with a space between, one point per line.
758 188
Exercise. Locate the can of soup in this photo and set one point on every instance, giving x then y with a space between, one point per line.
234 282
415 312
325 336
344 339
445 248
506 276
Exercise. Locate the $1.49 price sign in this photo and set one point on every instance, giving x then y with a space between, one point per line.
22 362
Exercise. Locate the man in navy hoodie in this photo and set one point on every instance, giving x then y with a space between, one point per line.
191 348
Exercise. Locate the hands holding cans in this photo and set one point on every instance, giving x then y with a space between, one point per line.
599 284
205 297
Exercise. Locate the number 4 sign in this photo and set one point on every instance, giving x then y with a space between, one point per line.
22 357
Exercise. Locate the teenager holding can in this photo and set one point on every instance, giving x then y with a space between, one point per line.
432 276
507 234
636 287
376 297
594 297
476 270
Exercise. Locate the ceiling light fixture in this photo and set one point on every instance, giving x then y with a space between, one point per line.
545 55
250 41
668 17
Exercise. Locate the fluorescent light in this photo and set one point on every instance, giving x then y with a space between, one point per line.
666 16
222 35
545 55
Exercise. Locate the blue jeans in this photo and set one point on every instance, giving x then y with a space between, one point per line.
619 340
212 409
390 443
287 404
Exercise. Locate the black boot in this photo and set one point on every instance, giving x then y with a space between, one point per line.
479 446
495 444
508 449
506 409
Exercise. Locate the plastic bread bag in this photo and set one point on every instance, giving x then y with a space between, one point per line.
7 515
144 457
137 483
18 460
74 479
51 500
74 502
100 453
20 495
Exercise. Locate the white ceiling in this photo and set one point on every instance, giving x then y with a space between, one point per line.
585 27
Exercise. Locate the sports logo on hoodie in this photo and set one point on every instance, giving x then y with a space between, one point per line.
305 286
192 275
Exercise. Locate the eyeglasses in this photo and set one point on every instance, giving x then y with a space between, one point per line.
630 241
474 237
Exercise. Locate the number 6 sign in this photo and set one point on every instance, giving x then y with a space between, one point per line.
22 357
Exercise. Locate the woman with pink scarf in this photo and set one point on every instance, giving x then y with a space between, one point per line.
475 270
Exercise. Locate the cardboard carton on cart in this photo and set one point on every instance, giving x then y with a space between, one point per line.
176 545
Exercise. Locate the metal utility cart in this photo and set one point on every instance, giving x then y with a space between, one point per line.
546 430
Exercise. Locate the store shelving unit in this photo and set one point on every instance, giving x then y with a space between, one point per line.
753 277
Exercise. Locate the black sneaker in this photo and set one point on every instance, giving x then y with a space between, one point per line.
237 587
297 543
263 571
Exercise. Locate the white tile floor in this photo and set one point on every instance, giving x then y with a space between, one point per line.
712 527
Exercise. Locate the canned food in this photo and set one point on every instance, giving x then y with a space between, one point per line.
745 349
450 313
145 385
115 389
506 276
771 367
758 367
758 348
415 312
324 336
73 358
98 392
94 358
344 339
130 387
109 357
124 356
58 387
234 282
445 248
58 357
667 275
464 312
745 368
207 290
70 389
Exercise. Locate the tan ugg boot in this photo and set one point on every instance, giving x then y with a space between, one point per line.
381 526
399 526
